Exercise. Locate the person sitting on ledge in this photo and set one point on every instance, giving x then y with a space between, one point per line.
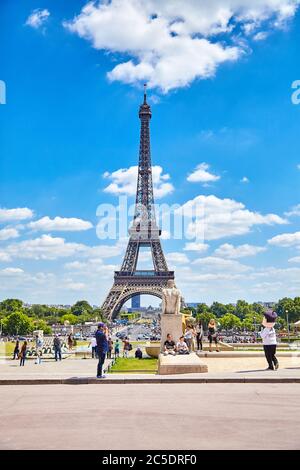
182 347
169 346
138 353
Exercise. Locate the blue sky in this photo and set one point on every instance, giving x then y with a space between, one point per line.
221 102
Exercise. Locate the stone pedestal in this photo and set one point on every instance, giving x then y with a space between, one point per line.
170 324
186 364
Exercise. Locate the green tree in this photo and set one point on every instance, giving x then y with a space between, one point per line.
11 305
252 321
230 309
296 313
17 323
98 314
287 306
85 317
81 307
72 319
230 321
202 308
280 323
218 309
258 308
242 309
187 310
38 311
204 318
42 325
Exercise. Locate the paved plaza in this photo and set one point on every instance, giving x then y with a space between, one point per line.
130 413
165 416
221 367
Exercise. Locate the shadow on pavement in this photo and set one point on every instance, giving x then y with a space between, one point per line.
252 370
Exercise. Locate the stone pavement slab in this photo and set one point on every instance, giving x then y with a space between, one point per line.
214 416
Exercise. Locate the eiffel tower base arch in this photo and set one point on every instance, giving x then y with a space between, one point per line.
123 289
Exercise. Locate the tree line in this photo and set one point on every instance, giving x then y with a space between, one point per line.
247 316
18 319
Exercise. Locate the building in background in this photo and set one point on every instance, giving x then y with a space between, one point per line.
136 302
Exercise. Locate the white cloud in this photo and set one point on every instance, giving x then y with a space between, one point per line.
4 256
46 247
295 259
171 43
202 175
60 224
91 269
218 218
124 181
106 251
244 179
11 215
261 36
241 251
37 18
214 263
295 211
286 240
76 286
11 272
176 258
7 233
193 246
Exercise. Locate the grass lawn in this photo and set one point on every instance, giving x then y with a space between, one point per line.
7 347
136 366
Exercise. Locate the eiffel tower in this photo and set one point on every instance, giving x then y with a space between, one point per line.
144 232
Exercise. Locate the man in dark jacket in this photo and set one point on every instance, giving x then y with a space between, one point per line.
102 348
57 348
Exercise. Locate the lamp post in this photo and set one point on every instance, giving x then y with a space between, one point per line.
288 326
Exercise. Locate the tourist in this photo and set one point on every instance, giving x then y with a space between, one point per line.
138 353
23 353
70 341
189 337
181 346
117 348
169 346
57 348
199 336
38 346
94 347
268 335
16 350
126 347
110 347
102 348
213 334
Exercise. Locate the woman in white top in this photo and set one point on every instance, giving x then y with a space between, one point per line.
189 338
268 335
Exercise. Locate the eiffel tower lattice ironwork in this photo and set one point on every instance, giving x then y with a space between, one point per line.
144 232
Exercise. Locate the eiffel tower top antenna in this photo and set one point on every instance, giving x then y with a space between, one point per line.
145 93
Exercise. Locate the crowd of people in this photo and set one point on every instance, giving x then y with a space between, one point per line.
192 340
102 345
